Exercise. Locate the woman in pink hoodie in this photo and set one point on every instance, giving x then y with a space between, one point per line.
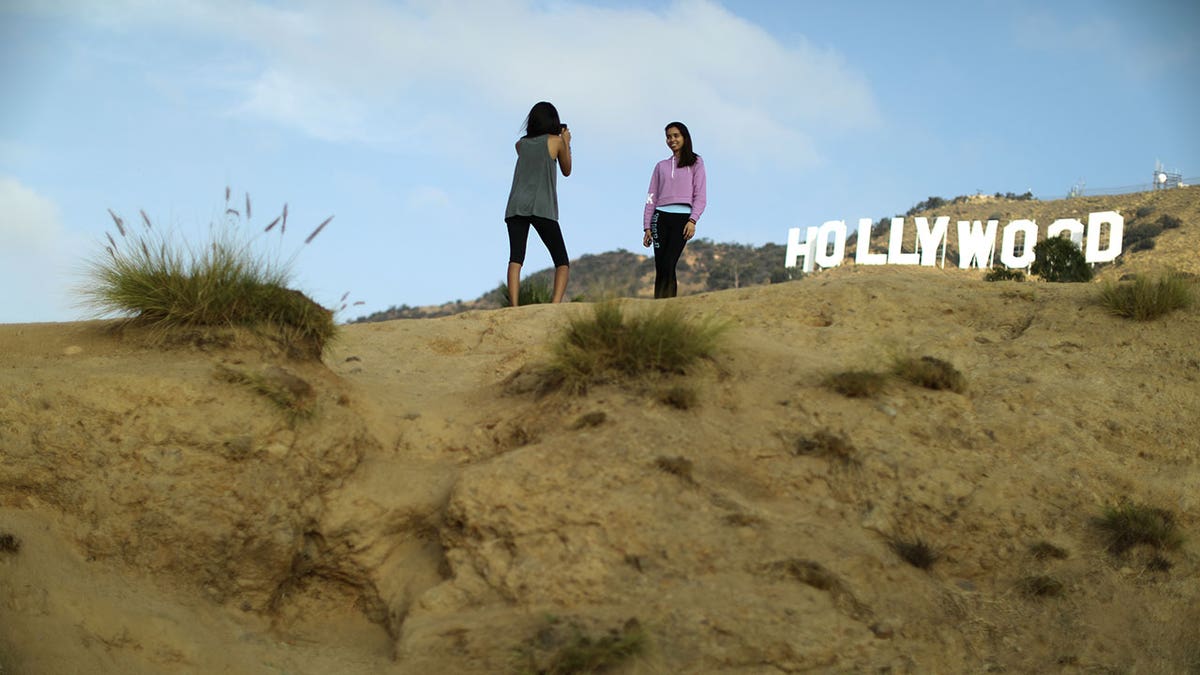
674 203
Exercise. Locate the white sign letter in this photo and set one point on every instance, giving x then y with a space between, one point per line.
795 249
931 239
1116 233
896 246
975 244
863 255
1008 245
837 228
1071 225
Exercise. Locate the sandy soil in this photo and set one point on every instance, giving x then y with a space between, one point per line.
430 517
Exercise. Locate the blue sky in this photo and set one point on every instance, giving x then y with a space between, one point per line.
398 118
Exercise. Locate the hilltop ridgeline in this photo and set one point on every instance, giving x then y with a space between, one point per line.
712 266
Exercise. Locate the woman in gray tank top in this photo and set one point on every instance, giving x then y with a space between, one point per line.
533 199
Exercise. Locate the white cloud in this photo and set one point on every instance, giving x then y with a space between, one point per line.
33 246
396 72
427 197
29 223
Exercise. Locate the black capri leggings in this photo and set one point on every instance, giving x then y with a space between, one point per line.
666 230
548 230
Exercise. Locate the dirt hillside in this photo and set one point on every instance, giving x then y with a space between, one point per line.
407 506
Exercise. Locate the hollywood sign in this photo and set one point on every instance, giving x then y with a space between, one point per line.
826 245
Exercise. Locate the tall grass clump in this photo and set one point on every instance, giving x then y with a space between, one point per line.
608 345
1129 524
1146 299
156 279
534 290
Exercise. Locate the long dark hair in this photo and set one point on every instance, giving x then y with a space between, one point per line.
687 156
542 119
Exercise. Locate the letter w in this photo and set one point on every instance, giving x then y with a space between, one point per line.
976 244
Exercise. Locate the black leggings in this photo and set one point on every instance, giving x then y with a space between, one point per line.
666 229
548 230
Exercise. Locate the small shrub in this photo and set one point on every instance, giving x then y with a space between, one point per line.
564 649
151 278
856 383
999 273
1142 245
1040 586
609 346
931 373
1169 222
1141 232
679 396
1146 299
1059 259
927 205
1129 524
9 543
915 552
1043 550
827 445
1144 211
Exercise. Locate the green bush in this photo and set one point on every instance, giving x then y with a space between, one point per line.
1147 299
1059 259
152 278
1144 211
608 345
999 273
1140 233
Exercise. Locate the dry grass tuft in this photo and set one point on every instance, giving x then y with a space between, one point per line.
1044 550
931 373
829 446
679 396
9 543
563 648
592 419
676 466
856 383
293 395
1130 524
1147 299
1040 586
609 346
915 551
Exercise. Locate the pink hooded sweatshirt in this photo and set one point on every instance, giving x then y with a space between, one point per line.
670 184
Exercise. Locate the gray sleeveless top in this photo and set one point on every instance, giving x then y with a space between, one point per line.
535 181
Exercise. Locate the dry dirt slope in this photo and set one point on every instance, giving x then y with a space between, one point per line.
430 518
